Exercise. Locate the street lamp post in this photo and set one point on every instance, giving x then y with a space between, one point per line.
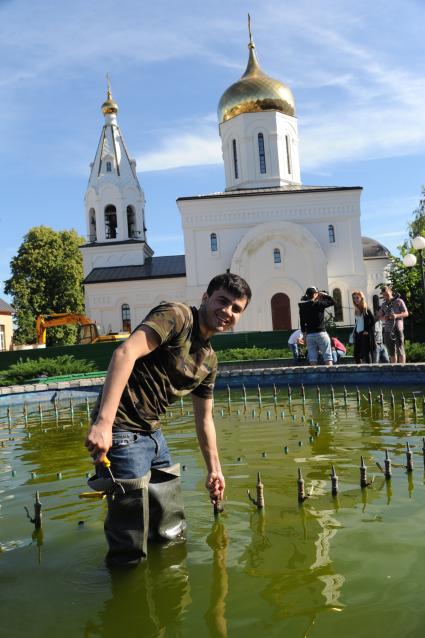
410 260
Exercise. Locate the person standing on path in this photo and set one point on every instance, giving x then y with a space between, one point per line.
381 353
166 357
312 322
364 334
392 312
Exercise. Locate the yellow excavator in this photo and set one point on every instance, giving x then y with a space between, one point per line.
88 331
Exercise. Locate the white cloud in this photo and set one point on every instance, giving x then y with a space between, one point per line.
395 233
185 149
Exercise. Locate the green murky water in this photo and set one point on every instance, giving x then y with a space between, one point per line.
343 566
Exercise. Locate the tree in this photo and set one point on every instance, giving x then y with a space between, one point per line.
47 276
417 225
407 281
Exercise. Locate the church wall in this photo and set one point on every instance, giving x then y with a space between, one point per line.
231 217
130 254
104 301
6 327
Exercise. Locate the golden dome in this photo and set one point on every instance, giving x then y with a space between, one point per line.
109 106
255 91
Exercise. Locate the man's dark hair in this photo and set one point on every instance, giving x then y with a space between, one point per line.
233 283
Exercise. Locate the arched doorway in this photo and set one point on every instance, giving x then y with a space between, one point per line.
281 312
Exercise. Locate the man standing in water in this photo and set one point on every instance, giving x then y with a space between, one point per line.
166 357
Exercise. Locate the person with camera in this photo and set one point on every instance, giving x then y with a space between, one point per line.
312 321
392 312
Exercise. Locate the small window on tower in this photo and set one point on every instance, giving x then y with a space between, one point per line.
109 167
277 256
288 154
261 153
214 243
331 233
235 159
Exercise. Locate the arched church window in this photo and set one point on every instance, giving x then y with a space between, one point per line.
331 233
375 303
261 153
110 222
213 242
92 223
235 159
337 297
131 222
109 167
126 317
277 257
288 154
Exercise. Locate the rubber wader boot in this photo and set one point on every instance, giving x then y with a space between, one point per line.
127 523
166 511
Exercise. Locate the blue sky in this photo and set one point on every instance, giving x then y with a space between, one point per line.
356 71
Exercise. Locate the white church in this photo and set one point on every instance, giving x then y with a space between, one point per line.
280 235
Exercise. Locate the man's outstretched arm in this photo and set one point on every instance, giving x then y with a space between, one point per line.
139 344
205 430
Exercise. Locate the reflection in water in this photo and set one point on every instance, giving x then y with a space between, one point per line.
215 615
254 552
149 600
38 538
333 582
410 485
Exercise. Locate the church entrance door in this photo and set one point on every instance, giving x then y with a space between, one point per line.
281 312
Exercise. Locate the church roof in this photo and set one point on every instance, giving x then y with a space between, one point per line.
96 244
255 91
372 249
5 308
274 190
112 150
153 268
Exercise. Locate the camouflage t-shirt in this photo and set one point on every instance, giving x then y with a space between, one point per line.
183 363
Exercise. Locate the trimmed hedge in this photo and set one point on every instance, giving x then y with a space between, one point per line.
415 352
23 371
244 354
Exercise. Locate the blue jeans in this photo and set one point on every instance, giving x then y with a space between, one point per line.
294 348
133 454
337 355
380 354
319 342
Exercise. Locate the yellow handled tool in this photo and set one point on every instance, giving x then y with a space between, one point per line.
99 495
117 486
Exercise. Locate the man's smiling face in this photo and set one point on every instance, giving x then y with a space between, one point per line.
221 311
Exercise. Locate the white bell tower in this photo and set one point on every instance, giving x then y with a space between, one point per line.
258 130
114 202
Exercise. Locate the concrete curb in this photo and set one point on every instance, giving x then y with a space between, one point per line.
238 373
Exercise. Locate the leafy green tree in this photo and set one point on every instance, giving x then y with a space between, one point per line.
417 225
407 281
47 276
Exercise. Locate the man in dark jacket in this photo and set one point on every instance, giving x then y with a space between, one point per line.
312 322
